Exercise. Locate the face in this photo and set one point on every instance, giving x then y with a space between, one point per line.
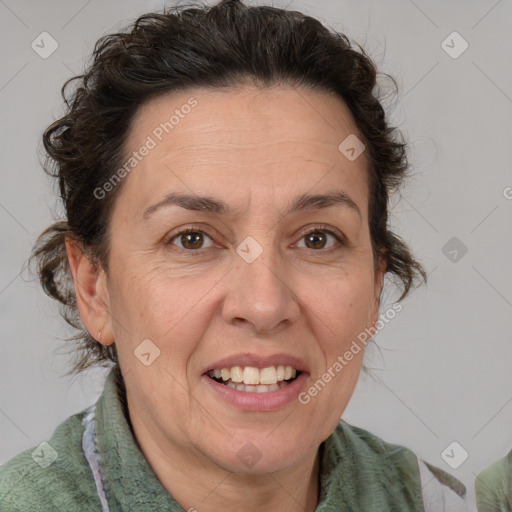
260 281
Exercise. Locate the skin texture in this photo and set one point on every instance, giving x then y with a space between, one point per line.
255 149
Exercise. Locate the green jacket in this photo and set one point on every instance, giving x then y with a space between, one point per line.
92 463
493 486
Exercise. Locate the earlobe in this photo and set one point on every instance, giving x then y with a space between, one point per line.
91 293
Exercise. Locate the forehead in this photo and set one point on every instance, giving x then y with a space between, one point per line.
224 140
247 116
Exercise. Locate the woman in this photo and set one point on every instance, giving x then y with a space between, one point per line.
225 173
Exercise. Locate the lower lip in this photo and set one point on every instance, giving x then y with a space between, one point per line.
269 401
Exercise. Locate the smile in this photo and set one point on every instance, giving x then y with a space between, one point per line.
251 379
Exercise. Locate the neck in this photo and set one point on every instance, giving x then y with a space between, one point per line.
200 485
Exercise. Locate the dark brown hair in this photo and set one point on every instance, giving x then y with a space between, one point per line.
226 45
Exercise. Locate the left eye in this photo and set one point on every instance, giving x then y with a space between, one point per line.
319 236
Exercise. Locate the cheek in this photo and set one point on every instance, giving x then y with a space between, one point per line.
341 312
343 307
148 299
162 307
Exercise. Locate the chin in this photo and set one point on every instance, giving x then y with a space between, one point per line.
260 452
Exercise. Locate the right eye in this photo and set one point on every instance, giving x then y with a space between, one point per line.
191 239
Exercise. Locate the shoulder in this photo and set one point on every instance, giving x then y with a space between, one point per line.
493 486
367 444
439 490
51 476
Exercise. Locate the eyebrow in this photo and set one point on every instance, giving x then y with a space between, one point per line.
206 204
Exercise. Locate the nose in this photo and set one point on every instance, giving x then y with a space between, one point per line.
260 296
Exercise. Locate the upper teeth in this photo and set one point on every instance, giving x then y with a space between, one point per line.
255 376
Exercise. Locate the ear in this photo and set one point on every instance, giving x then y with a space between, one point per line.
91 293
378 283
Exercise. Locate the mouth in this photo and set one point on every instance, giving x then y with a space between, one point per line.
251 379
257 382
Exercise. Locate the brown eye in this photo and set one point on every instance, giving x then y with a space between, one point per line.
189 239
318 238
315 240
192 240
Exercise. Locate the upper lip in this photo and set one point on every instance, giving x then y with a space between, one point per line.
258 361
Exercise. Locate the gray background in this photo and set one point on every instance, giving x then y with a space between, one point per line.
442 374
